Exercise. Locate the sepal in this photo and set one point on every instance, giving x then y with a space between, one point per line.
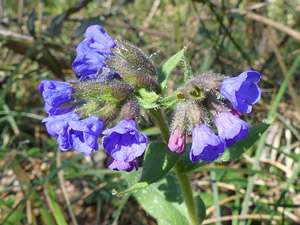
106 91
135 57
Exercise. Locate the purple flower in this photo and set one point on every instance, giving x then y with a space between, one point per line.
242 91
177 142
125 142
91 52
83 134
57 126
122 166
55 94
70 132
205 145
231 128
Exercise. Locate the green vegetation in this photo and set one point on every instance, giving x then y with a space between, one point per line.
41 185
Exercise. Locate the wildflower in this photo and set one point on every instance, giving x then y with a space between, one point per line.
55 94
205 144
92 51
242 91
124 142
177 142
122 166
70 132
231 128
57 126
84 134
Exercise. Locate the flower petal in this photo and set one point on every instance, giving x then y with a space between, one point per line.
242 91
231 128
124 142
205 144
122 166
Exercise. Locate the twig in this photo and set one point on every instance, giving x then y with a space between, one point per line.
22 43
20 10
284 70
266 21
10 35
222 202
60 175
29 211
152 13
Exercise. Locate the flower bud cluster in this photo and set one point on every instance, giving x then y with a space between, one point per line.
111 73
212 97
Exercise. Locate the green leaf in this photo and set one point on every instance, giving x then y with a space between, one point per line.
45 215
57 213
162 200
188 74
149 96
201 210
146 105
165 70
19 215
230 153
147 99
158 160
169 102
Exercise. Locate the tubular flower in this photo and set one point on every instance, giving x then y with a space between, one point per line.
242 91
57 126
125 142
231 128
70 132
55 94
122 166
205 144
91 52
177 142
83 134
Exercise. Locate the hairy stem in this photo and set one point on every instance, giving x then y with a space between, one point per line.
183 178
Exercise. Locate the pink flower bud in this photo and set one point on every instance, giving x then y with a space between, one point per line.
177 142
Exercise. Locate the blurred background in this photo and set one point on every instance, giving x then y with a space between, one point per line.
38 39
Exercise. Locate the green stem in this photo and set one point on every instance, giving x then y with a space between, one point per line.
160 121
183 178
186 191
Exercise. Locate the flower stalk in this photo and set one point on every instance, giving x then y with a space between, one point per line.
183 178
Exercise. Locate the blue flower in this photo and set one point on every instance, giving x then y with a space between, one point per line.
205 144
231 128
83 134
70 132
91 52
125 142
242 91
122 166
57 126
55 94
177 142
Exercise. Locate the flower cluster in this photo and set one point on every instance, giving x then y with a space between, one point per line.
80 110
91 52
212 96
112 74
